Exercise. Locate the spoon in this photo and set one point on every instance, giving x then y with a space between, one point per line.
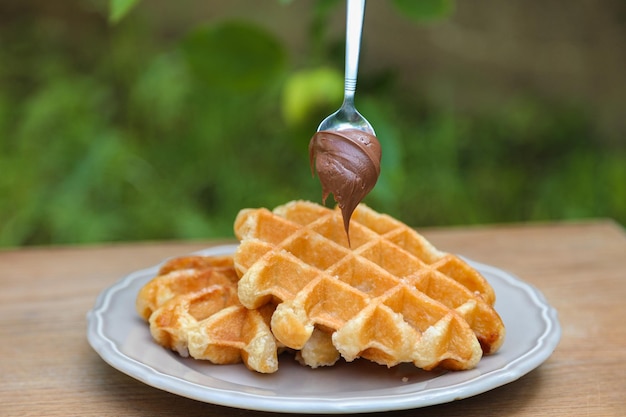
347 117
344 151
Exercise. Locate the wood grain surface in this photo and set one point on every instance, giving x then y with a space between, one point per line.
49 369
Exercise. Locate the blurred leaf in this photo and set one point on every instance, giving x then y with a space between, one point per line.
239 56
120 8
425 10
160 93
308 90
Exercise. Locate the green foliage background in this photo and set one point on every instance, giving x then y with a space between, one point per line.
115 135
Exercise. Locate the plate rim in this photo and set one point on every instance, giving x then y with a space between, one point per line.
512 371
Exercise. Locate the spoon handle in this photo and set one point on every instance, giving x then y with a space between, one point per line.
354 28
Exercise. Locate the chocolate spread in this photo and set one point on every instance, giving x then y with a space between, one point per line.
348 165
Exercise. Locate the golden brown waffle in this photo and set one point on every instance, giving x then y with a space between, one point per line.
182 276
389 297
193 309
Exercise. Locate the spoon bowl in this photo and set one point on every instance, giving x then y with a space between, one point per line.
347 117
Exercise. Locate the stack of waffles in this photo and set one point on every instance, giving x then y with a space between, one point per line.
296 283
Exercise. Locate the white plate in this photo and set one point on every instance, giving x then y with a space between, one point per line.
123 340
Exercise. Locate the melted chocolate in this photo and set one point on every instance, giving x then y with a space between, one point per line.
348 165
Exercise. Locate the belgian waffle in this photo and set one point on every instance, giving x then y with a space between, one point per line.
184 275
388 295
193 309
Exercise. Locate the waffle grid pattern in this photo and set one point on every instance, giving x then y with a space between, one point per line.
388 296
192 308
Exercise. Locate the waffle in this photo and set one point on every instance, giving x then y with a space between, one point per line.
184 275
388 296
192 308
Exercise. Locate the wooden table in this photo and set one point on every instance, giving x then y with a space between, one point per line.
49 369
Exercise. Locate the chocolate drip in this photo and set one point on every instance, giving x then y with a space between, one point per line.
348 165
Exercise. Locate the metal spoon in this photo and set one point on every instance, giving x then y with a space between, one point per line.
347 117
